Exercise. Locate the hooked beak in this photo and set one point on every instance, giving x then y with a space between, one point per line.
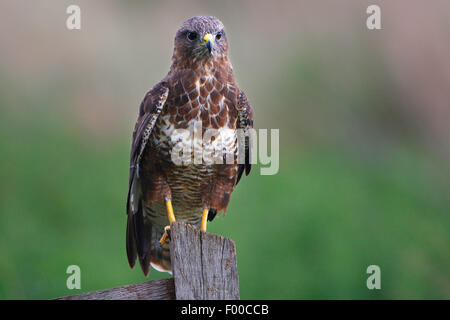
208 41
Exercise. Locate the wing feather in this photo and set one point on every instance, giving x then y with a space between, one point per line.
149 112
245 122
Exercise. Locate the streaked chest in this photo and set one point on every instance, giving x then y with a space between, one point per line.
200 104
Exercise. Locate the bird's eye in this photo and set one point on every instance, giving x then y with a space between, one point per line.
218 36
192 35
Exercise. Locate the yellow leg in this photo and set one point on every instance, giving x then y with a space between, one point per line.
170 211
171 217
204 219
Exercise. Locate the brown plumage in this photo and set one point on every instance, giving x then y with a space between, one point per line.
199 89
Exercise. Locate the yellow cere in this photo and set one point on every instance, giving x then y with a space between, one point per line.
208 37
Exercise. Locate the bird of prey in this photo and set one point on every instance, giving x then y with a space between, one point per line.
199 88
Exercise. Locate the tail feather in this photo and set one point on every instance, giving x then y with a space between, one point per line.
131 242
144 243
139 230
139 235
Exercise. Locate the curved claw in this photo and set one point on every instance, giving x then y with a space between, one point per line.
165 236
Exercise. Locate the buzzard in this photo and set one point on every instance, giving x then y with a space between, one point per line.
199 89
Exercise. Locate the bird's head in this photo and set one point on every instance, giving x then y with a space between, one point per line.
200 38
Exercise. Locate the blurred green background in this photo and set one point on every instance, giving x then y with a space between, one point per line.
364 119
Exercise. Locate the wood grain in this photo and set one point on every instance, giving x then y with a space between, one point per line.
204 265
151 290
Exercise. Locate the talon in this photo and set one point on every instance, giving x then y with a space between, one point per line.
165 235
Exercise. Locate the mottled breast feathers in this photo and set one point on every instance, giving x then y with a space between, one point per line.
208 95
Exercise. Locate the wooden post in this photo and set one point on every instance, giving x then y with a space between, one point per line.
162 289
204 267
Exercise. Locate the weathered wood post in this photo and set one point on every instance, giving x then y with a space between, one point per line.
204 264
204 267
